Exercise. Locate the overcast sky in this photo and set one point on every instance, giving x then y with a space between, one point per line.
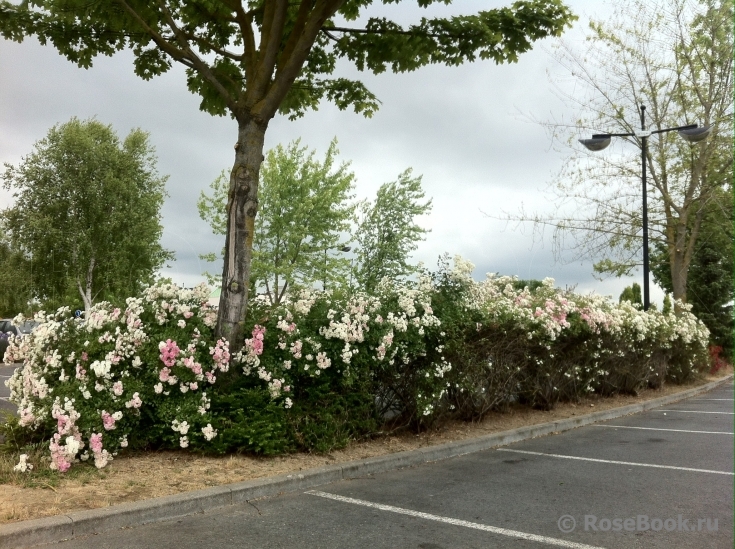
464 129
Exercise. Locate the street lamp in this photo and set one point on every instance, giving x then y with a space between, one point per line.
692 133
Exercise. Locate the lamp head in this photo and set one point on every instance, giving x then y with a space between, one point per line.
695 135
596 143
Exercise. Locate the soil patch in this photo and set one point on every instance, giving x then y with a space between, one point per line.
138 476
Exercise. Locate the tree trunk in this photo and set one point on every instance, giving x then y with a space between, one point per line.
86 292
683 237
679 275
242 206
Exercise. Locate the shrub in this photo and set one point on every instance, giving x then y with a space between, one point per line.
323 368
716 361
137 376
248 420
377 352
561 345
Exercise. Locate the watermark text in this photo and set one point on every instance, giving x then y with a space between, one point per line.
639 523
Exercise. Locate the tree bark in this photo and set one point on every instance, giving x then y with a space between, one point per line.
683 223
86 292
679 269
242 207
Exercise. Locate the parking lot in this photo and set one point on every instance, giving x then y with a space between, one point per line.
5 373
659 479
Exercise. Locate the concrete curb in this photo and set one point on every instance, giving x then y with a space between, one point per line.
63 527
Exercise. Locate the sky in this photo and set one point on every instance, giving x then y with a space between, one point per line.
466 130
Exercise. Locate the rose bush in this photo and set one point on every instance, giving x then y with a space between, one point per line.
323 368
511 343
337 364
130 376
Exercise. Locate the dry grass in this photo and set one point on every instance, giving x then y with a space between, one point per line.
138 476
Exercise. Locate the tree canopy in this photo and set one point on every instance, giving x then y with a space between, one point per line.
260 56
252 59
86 216
632 294
15 283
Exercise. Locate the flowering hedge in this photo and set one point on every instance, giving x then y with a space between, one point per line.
136 375
323 368
541 346
387 335
337 364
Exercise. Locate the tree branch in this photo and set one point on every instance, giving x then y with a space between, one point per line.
347 30
200 66
283 292
244 20
213 47
289 70
271 33
175 53
301 19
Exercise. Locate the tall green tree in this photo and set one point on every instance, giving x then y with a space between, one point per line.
253 59
86 215
387 232
674 57
304 209
15 281
632 294
711 285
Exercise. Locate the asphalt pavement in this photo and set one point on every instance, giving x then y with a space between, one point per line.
5 373
658 479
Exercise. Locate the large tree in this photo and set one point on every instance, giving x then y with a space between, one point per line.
710 282
387 232
86 216
674 57
15 280
252 59
304 209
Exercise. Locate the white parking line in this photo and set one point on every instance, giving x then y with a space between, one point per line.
672 430
696 412
728 399
456 522
617 462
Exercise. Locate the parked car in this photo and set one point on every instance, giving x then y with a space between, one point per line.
7 328
27 327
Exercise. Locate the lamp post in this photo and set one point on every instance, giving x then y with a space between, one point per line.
692 133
